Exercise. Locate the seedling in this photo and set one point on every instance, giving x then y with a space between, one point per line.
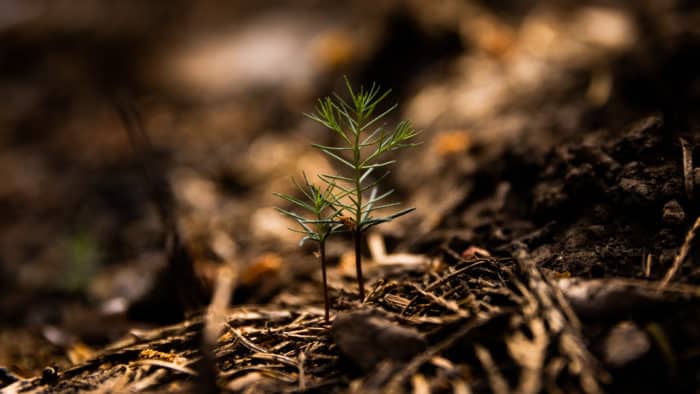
319 225
364 146
343 204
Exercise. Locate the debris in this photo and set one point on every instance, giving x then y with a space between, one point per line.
367 339
420 384
624 344
79 353
453 142
7 377
549 305
49 375
375 243
611 297
496 380
245 381
688 173
474 251
682 254
262 268
673 212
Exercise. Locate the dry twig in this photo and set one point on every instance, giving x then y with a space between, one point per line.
682 254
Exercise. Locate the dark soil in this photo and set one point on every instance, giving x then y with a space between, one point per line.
553 247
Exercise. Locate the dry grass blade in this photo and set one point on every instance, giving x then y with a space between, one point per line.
450 305
647 265
276 357
245 341
302 372
147 382
455 273
168 365
682 254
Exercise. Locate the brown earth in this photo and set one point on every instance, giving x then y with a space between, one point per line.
552 248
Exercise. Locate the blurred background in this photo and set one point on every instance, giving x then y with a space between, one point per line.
221 87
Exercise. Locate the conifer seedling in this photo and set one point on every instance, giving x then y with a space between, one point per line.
319 225
350 200
362 153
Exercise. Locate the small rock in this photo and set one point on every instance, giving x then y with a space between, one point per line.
673 213
367 339
624 344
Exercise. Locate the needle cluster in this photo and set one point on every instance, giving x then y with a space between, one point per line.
351 201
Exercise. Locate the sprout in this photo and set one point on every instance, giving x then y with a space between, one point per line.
350 200
319 225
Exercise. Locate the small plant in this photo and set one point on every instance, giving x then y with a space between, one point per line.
350 200
319 226
364 146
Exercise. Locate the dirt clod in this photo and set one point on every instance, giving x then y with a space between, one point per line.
367 339
673 212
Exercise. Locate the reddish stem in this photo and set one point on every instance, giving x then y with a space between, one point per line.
358 264
322 248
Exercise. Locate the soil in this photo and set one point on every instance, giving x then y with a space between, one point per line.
553 247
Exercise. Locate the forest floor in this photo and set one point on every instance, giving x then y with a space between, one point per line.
553 247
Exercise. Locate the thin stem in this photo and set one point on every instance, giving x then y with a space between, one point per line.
358 214
358 264
351 120
322 250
